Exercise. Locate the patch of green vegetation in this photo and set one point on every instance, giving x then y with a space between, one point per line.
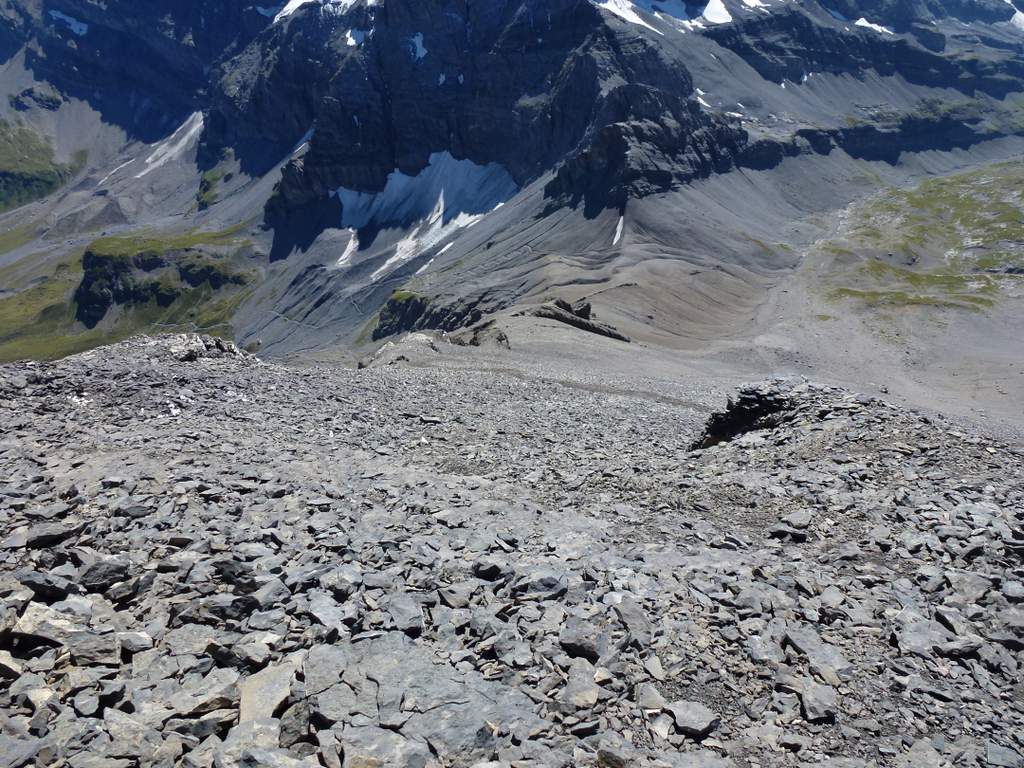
999 261
953 242
366 332
400 313
401 296
1005 116
78 160
873 176
768 248
934 281
208 184
15 237
127 246
32 320
897 298
935 108
149 282
22 150
28 170
836 250
979 207
878 283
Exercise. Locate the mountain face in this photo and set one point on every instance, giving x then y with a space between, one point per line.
601 93
482 154
141 64
517 84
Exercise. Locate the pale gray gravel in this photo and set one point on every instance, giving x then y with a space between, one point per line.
206 560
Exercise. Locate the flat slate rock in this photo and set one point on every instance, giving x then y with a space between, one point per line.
241 564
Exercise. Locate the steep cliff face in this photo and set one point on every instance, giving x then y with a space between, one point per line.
380 88
599 93
143 64
903 39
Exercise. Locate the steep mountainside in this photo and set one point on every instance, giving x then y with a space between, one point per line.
666 161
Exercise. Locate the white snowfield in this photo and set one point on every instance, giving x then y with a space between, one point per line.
448 195
675 11
79 28
1017 20
862 22
291 6
175 144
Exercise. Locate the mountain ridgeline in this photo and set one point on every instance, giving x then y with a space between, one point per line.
365 146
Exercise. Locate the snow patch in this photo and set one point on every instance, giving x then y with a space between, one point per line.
77 27
355 37
290 7
351 248
304 141
418 51
626 11
174 145
426 266
106 178
618 230
446 196
1017 20
862 22
717 13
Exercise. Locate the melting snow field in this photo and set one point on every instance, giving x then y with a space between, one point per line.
416 43
174 145
862 22
1017 20
291 6
715 11
77 27
446 196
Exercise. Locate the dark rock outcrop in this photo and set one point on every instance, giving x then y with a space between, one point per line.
754 408
402 312
147 277
578 316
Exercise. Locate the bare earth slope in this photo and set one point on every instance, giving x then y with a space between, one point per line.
209 560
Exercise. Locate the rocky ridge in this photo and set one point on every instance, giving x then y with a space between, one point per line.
142 65
207 560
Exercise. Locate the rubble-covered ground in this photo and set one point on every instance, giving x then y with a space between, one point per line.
206 560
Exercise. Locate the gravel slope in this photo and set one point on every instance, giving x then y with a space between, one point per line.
208 560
